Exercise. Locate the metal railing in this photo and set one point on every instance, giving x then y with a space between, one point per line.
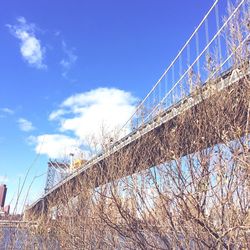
202 57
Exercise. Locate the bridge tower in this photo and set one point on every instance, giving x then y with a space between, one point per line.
57 171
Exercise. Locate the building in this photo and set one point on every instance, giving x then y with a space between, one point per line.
3 192
4 210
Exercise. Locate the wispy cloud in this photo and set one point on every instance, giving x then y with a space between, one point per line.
3 179
30 46
57 33
69 59
7 111
25 125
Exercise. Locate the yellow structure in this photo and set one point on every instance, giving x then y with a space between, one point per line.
77 163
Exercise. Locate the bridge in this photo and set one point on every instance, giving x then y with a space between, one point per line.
205 74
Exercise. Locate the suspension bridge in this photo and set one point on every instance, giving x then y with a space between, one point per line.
210 64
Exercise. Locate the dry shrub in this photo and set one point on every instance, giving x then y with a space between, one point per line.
183 185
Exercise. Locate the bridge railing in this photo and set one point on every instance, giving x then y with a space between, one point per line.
205 55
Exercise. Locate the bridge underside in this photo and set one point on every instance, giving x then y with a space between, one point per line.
220 118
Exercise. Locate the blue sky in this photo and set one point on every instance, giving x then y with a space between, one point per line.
64 63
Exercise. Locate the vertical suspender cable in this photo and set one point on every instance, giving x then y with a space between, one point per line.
197 52
175 59
218 38
173 80
207 34
180 74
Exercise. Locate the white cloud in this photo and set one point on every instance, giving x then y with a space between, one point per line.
25 125
7 111
4 112
30 46
31 140
87 116
3 179
56 145
56 114
69 59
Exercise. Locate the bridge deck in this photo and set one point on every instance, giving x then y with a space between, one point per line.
140 139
